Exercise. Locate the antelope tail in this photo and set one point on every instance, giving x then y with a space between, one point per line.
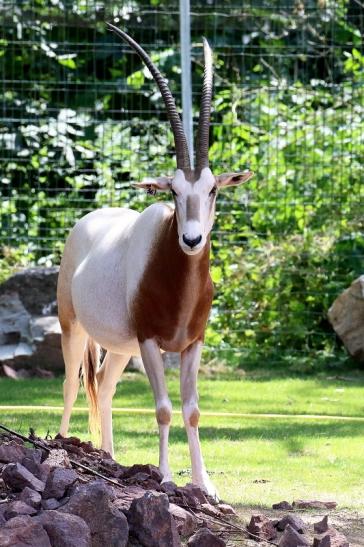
91 362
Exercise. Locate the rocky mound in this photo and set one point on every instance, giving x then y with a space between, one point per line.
65 493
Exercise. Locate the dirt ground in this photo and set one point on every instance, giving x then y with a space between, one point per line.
350 523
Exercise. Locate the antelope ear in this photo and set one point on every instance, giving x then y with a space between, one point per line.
233 179
161 184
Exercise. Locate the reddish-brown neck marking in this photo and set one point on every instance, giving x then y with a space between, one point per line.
174 297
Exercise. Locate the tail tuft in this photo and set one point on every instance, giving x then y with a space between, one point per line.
91 363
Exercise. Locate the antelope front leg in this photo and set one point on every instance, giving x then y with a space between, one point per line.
154 368
190 362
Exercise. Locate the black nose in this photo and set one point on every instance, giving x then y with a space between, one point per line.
192 242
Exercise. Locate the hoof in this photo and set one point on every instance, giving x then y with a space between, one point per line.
167 476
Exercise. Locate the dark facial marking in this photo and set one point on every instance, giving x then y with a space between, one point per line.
193 207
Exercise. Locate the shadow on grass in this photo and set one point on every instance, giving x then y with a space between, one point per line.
136 391
37 392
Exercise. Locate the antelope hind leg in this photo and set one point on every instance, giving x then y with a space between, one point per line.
108 375
73 345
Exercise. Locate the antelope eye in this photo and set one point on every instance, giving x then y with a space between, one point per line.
173 192
213 191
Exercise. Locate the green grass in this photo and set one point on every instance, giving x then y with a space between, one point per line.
282 395
253 460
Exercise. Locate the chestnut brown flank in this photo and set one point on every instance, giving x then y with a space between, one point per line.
174 297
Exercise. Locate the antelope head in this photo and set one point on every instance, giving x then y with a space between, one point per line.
195 190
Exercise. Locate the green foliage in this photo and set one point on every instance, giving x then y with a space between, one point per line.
81 121
12 259
275 297
299 223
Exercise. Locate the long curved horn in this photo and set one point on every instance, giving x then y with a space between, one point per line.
202 153
183 158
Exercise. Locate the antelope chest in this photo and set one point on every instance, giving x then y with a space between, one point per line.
173 298
174 317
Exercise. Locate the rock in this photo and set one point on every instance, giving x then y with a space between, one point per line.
322 526
192 494
113 468
15 344
186 523
226 509
210 510
16 508
23 532
13 374
36 287
39 372
282 505
17 522
32 459
68 440
93 503
151 523
50 504
20 373
34 454
17 477
57 457
30 497
213 500
205 538
261 527
346 315
14 321
315 504
145 480
169 487
292 538
330 538
39 470
136 364
46 335
195 491
58 482
30 336
295 521
65 530
87 447
171 360
151 470
12 452
125 497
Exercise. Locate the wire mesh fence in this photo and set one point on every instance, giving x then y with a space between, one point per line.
81 119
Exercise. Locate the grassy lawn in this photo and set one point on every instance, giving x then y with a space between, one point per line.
254 460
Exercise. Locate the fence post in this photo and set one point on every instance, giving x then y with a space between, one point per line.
185 36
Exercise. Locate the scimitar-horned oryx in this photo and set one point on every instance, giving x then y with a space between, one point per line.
139 283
